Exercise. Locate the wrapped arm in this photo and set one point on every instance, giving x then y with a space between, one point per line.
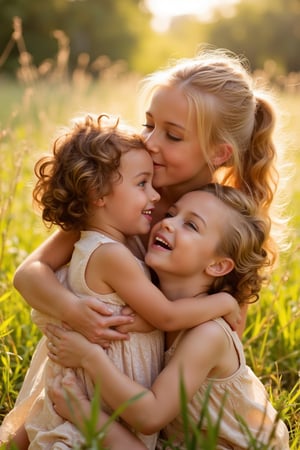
36 281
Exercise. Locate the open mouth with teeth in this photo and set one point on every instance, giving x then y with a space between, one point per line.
160 242
147 213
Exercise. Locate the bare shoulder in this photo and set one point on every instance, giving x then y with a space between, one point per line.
201 351
112 252
110 263
208 336
114 258
211 328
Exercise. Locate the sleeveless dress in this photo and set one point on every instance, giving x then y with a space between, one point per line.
34 381
140 358
245 397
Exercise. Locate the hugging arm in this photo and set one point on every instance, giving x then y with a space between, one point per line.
18 441
36 281
148 301
70 402
198 352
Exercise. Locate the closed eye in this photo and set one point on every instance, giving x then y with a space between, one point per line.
168 214
173 138
192 225
148 126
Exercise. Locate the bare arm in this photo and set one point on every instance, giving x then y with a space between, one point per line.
71 403
146 299
36 281
35 278
18 441
198 353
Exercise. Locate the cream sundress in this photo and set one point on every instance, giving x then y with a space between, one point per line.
246 397
140 358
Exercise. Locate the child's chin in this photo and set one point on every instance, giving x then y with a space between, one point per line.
151 260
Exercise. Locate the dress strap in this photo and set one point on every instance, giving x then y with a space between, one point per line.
233 336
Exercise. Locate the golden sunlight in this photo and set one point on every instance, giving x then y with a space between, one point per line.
164 10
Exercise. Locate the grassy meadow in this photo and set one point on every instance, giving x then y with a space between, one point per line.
29 117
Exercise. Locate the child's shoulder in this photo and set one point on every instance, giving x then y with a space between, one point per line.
113 249
201 348
113 260
211 329
208 336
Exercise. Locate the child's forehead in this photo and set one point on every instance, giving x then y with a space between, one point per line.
136 156
131 153
197 197
202 202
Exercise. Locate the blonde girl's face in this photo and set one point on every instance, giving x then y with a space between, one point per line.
129 206
172 140
184 243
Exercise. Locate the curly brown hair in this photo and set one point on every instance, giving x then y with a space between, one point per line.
84 166
246 242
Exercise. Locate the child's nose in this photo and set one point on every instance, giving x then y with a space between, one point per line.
168 224
155 197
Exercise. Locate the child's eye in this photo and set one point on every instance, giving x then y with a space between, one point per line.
169 214
142 183
191 225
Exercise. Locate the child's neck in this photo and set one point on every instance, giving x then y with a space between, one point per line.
109 232
175 288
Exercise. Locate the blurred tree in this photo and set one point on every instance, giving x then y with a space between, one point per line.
268 30
181 40
261 30
106 27
96 27
38 21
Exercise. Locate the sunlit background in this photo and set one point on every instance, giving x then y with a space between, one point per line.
61 57
164 10
144 34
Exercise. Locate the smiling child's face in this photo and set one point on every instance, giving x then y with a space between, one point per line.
186 241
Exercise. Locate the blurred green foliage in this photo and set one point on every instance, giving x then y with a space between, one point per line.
121 30
28 123
104 27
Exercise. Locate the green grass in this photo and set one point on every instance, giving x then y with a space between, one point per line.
27 124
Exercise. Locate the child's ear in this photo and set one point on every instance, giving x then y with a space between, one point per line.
222 154
220 268
99 202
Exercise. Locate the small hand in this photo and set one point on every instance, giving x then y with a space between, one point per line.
138 325
68 398
71 403
234 317
95 321
66 347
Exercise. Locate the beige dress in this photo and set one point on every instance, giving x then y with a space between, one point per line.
246 397
140 358
33 385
